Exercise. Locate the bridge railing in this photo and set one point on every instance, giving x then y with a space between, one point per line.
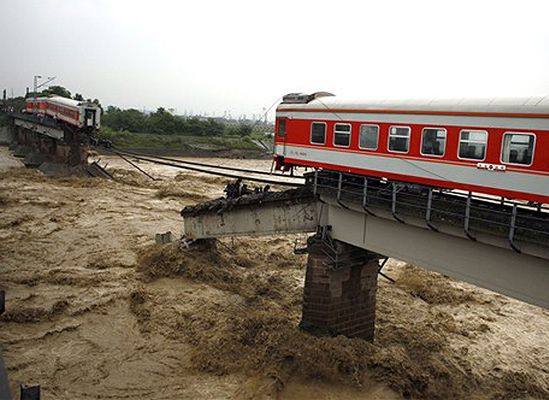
473 212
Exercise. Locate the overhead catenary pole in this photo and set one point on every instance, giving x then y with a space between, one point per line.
36 86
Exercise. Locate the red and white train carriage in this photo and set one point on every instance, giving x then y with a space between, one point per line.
79 114
498 147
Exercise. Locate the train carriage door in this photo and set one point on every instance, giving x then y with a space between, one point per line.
281 135
89 118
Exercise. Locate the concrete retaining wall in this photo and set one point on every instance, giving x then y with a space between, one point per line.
6 135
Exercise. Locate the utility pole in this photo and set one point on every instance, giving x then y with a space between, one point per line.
37 86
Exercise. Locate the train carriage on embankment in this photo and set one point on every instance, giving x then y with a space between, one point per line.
498 147
77 114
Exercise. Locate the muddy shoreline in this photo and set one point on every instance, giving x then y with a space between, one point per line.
95 309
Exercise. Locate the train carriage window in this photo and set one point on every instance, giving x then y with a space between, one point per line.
472 144
369 137
399 139
518 148
282 127
433 142
342 135
318 133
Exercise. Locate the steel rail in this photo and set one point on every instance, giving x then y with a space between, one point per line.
224 174
222 167
136 166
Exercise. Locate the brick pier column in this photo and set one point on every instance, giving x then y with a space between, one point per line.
340 290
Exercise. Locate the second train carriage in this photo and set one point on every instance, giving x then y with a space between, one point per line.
498 147
79 114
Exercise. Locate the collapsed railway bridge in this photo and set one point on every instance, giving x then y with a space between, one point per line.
55 133
360 219
359 222
38 140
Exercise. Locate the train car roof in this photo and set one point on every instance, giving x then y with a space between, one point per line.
527 106
65 101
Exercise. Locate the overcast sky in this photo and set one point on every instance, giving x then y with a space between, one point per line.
212 56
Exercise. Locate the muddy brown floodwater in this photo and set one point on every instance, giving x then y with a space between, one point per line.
96 310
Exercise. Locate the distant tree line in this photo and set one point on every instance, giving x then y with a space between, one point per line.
162 122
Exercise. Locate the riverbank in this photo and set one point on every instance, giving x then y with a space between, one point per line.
190 146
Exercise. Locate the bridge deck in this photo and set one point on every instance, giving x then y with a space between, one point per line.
474 214
267 213
483 254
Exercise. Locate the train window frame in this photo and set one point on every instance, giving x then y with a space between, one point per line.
325 132
377 137
280 122
522 134
445 142
408 142
485 144
335 131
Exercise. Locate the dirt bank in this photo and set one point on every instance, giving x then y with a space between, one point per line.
96 310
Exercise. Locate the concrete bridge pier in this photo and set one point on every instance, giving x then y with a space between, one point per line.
339 297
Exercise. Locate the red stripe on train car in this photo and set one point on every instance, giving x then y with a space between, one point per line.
425 181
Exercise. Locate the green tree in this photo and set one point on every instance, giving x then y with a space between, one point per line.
57 90
96 102
16 103
162 122
240 130
130 120
112 109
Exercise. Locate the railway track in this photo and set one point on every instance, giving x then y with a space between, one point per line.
219 170
476 213
198 164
